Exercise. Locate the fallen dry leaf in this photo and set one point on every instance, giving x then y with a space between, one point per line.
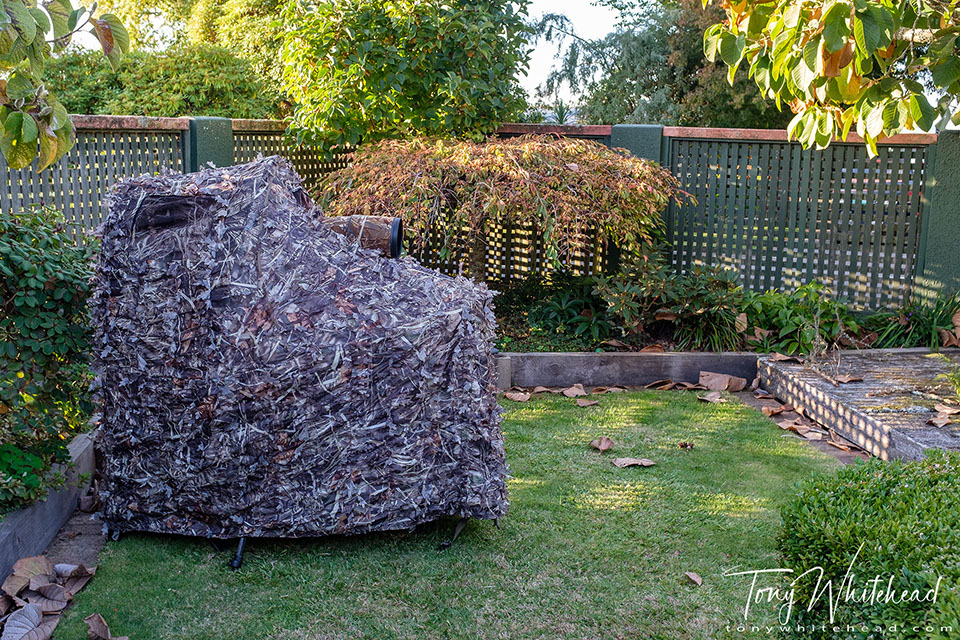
722 381
541 390
33 566
633 462
740 324
661 385
29 623
52 598
74 577
602 390
574 391
813 435
948 339
617 344
946 409
694 578
762 394
846 378
14 584
780 357
583 402
713 396
940 420
956 320
97 628
688 386
601 444
652 348
517 396
760 334
772 409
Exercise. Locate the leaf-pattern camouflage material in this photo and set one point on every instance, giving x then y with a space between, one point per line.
262 375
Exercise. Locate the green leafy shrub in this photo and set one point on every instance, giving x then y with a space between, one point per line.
557 311
916 324
44 283
698 308
566 190
803 321
190 80
907 517
575 310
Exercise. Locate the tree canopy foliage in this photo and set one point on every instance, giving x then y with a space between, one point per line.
651 69
34 122
186 80
868 65
371 69
249 29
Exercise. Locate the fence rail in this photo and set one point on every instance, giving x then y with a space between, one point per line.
874 230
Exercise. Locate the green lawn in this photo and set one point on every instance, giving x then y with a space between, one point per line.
588 550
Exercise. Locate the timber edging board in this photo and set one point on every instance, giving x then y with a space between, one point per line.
30 530
617 368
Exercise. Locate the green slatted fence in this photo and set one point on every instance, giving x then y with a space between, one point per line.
781 216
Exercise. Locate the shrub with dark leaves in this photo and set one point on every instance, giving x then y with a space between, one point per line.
44 282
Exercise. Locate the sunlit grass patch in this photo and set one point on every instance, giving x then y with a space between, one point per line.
588 550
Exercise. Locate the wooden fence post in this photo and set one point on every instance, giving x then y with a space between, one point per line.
938 267
211 142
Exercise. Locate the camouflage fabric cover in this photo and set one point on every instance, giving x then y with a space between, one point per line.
261 375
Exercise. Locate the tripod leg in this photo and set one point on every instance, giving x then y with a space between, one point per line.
446 544
237 560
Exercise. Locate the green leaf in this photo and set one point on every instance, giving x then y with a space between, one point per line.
711 42
40 17
59 12
922 111
945 73
731 48
19 87
873 29
23 22
835 27
120 36
866 33
29 130
18 153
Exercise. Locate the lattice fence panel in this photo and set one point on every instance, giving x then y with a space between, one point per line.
77 183
782 216
515 252
310 165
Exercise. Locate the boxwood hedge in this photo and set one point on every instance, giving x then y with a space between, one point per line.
897 520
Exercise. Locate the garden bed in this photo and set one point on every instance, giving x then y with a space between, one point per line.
587 550
28 531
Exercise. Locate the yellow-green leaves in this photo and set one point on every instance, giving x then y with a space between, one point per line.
845 63
32 121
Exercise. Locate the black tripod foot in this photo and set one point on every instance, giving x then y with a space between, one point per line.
446 544
237 561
